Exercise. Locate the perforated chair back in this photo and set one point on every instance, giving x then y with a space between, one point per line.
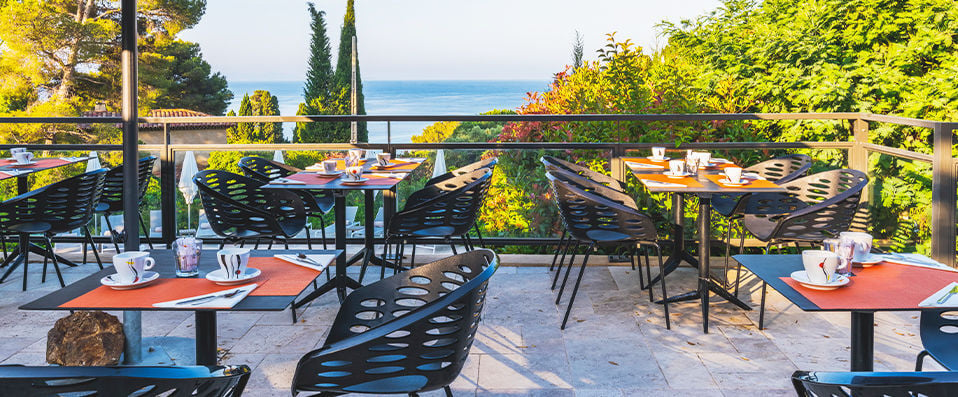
817 205
554 163
112 198
875 384
56 208
938 343
404 334
167 381
265 170
445 209
595 187
489 163
237 206
589 217
783 169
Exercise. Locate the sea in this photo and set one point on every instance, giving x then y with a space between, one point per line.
405 97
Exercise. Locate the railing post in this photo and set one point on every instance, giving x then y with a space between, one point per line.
858 160
943 192
168 189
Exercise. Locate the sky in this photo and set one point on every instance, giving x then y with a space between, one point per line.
255 40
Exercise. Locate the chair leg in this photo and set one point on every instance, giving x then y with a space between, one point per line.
920 360
400 255
453 245
761 310
43 277
382 269
558 249
113 233
309 240
3 241
286 244
482 243
412 258
578 281
568 270
741 249
569 246
25 251
146 231
728 248
322 223
96 254
639 259
665 294
56 266
446 388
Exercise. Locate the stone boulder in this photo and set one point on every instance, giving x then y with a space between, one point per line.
85 338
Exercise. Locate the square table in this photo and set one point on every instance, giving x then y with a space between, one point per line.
379 180
704 185
279 285
10 169
883 287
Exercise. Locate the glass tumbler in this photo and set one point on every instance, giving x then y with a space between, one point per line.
846 251
187 253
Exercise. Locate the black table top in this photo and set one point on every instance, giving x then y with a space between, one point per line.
165 266
395 176
770 268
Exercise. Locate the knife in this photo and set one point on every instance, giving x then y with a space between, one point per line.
942 300
204 299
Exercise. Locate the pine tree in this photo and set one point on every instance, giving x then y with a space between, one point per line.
262 103
344 66
320 94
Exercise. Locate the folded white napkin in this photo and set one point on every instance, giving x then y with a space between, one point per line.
411 159
218 302
654 183
287 181
932 301
716 160
644 165
752 175
394 175
913 260
323 260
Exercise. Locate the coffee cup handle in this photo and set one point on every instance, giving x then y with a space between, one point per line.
149 263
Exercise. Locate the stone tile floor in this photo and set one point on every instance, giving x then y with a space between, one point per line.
615 344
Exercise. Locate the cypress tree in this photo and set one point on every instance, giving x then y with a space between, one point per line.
320 93
344 66
242 132
262 103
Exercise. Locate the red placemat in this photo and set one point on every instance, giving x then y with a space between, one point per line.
311 178
278 278
38 163
687 181
753 183
881 287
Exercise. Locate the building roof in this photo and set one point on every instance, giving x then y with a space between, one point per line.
164 113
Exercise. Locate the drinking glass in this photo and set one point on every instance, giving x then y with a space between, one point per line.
846 251
187 253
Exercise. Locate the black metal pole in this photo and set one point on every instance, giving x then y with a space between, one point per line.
862 341
131 319
168 188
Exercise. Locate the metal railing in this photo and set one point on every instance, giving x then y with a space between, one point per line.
858 146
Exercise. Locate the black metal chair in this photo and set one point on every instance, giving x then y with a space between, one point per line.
814 208
424 194
600 221
733 206
238 209
450 212
317 202
552 163
938 344
111 201
408 333
56 208
617 196
875 384
146 381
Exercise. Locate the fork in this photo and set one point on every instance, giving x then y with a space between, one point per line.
942 300
205 299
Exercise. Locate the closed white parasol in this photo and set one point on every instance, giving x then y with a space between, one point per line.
187 186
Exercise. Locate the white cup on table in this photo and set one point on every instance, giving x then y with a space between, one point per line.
233 262
23 157
354 173
863 244
658 153
820 265
329 166
383 159
733 174
130 266
677 167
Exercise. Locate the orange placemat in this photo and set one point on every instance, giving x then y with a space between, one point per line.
753 184
644 160
687 181
38 163
400 166
278 278
886 286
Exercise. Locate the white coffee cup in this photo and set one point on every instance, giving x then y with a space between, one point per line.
23 157
131 265
383 159
354 173
233 262
329 166
703 157
658 152
820 265
677 167
733 174
863 244
17 150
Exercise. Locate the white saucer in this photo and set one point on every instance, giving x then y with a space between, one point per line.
657 160
352 182
324 173
22 164
148 277
676 176
217 276
870 260
802 278
711 164
741 182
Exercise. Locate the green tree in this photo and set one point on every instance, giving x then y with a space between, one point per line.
319 72
344 66
321 94
174 75
262 103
